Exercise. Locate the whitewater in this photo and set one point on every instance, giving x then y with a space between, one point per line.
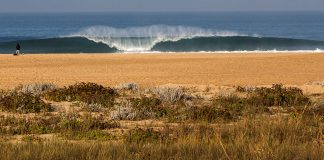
143 39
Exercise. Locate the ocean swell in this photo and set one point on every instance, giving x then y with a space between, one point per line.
157 38
238 43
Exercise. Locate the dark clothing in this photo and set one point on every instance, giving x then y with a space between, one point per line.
17 46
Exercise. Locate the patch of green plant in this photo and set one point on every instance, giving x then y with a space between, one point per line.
89 93
139 135
23 103
88 135
85 124
232 101
148 107
207 114
31 138
224 108
21 126
277 95
55 124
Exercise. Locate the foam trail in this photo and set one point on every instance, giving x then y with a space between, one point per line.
141 39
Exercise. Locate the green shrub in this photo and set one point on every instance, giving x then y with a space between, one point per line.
68 123
23 103
277 95
76 123
224 108
208 114
88 135
89 93
232 101
31 138
148 107
139 109
20 126
139 135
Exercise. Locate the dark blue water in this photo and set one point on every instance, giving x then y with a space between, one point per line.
120 32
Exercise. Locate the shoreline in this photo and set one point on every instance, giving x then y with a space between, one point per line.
151 69
194 52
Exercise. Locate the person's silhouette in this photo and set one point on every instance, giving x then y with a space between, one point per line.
18 48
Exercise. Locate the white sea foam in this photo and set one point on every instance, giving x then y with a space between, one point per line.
239 51
142 39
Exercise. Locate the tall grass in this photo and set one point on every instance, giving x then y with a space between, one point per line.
261 123
281 138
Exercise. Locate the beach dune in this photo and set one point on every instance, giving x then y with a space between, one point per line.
158 69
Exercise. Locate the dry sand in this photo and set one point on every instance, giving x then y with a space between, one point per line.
156 69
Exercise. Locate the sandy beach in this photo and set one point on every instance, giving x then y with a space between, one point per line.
157 69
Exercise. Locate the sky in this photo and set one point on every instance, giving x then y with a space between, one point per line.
158 5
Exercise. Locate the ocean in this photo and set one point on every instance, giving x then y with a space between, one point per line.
161 32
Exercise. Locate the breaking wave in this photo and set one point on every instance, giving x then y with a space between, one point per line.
137 39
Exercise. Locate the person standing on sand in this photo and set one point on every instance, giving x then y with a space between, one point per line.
17 49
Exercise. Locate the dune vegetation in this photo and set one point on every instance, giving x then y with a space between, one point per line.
91 121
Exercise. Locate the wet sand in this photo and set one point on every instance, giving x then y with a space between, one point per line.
157 69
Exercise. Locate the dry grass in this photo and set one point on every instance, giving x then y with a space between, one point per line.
35 88
265 138
127 86
259 123
169 94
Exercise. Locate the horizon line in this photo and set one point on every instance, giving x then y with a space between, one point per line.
134 11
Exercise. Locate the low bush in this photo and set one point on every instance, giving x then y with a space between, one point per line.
31 138
277 95
169 94
148 107
128 86
89 93
139 135
139 109
76 123
23 103
123 111
88 135
90 107
35 88
209 114
65 124
230 101
223 108
21 126
75 127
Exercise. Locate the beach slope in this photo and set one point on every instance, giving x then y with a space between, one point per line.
157 69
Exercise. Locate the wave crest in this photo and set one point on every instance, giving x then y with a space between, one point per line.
144 38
